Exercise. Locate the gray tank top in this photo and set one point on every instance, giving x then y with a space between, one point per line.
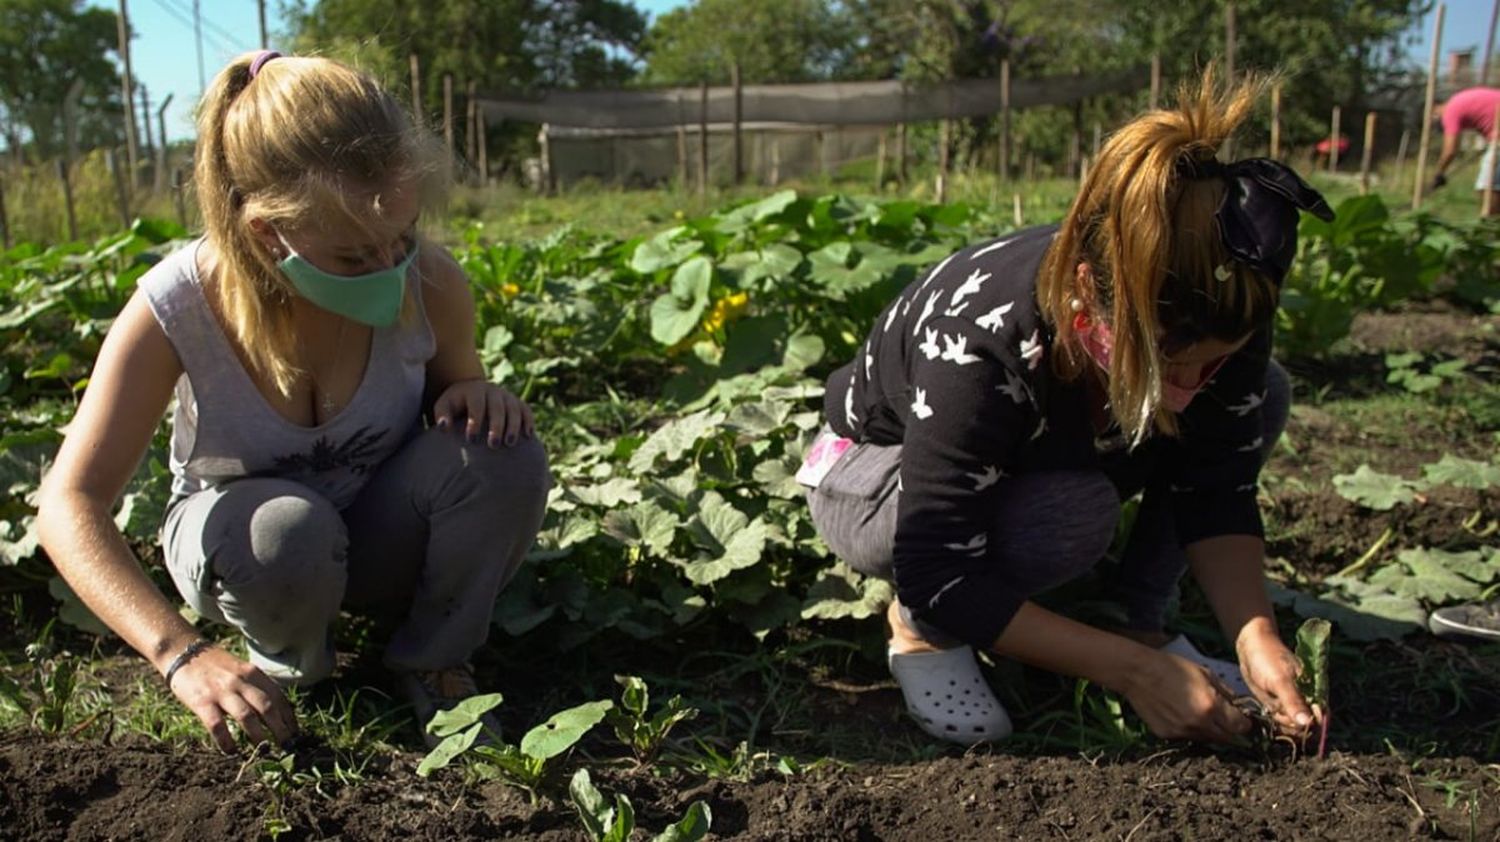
223 428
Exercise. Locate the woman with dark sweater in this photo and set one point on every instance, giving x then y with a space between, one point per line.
980 445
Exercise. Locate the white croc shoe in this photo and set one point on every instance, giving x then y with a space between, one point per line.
948 697
1227 672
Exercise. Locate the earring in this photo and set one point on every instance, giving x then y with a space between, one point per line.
1076 305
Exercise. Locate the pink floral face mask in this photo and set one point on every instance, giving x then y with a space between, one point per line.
1099 342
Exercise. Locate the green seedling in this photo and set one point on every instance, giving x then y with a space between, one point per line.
643 733
1404 371
1312 653
45 697
523 766
605 823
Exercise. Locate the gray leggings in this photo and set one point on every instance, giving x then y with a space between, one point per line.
1049 527
433 536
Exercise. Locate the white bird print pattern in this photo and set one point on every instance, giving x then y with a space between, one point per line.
1041 429
849 415
986 478
929 348
994 319
1031 349
970 286
957 311
869 364
1251 403
1253 445
955 350
1015 387
973 547
937 271
926 311
919 406
890 317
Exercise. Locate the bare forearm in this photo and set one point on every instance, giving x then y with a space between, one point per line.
1230 569
1055 643
91 555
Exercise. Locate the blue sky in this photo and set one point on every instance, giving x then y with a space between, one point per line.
165 60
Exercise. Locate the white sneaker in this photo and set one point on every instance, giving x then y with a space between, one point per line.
1227 672
948 697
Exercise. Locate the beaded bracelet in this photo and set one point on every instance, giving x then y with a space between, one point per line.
180 661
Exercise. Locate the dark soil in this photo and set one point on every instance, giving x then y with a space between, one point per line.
66 790
1415 737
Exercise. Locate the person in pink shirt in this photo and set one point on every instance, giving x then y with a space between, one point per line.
1474 109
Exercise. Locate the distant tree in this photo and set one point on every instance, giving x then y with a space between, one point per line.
772 40
499 44
1333 51
45 45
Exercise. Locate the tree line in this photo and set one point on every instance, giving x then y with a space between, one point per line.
1333 52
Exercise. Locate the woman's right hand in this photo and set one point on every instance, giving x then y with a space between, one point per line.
218 687
1178 699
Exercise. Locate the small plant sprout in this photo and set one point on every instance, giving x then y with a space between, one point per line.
522 766
459 727
643 733
605 823
1312 652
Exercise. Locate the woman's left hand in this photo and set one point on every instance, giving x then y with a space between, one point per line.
486 410
1271 671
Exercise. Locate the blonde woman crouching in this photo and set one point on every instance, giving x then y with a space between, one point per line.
304 336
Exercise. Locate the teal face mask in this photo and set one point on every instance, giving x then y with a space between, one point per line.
373 299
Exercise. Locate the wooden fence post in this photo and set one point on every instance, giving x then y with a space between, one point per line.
901 154
122 198
179 201
471 122
1276 121
4 220
1432 69
880 161
1333 140
1401 150
416 89
159 178
1487 206
127 81
1004 161
1230 43
67 186
484 150
1155 79
739 93
682 155
703 138
1367 154
448 111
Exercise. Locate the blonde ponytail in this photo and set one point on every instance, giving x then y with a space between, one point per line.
1157 261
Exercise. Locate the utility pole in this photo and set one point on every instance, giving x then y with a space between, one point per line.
265 37
148 148
122 25
1489 47
198 37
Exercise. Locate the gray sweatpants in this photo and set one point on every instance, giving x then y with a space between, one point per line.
1050 527
433 536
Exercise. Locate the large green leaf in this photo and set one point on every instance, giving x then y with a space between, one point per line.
664 250
594 811
675 438
1435 575
676 313
1374 490
608 494
693 827
1463 473
449 750
644 524
563 729
841 593
446 723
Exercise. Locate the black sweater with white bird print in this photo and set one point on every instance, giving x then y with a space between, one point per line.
956 370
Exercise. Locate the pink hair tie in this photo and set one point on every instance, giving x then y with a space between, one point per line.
260 61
